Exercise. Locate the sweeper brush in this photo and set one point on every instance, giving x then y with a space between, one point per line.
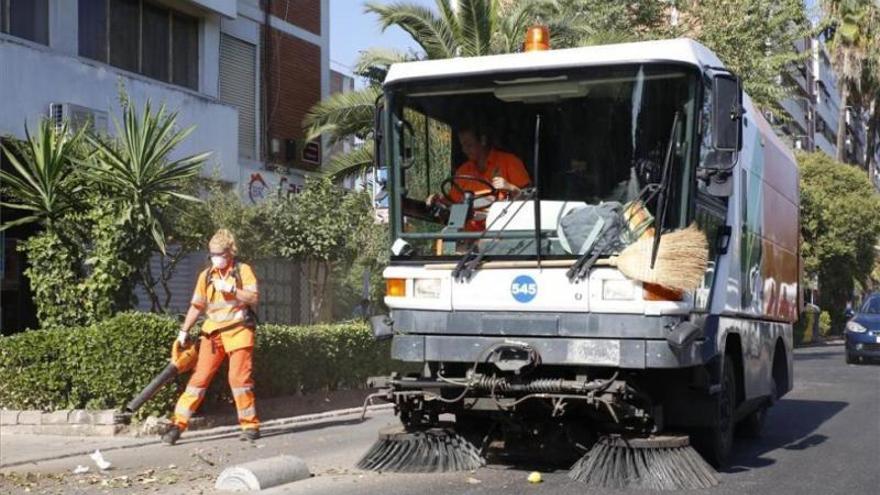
655 463
432 450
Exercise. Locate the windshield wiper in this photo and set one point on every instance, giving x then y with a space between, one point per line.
606 238
663 192
472 259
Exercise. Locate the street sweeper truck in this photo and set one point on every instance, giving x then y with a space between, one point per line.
595 254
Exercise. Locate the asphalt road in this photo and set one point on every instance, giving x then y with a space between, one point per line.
822 438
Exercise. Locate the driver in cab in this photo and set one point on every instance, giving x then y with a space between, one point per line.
485 166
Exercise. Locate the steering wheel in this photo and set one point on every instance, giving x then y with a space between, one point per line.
449 184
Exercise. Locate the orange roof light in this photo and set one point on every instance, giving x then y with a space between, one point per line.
537 39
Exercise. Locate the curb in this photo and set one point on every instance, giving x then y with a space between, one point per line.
824 343
219 431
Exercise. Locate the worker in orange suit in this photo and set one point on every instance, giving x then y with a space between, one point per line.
227 293
505 171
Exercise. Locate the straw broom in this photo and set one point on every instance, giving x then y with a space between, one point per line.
681 262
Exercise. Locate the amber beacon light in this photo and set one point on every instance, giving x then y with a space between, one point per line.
537 39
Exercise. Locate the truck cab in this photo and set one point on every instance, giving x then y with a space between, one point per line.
483 299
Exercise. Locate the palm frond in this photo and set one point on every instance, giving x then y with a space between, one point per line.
342 115
477 21
344 164
373 63
41 180
432 34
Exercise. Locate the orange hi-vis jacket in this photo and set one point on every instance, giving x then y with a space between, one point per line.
224 312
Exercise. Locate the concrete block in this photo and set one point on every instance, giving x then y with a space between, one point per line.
262 474
8 418
104 417
56 418
79 417
30 417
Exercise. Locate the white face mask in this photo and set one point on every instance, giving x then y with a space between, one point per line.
219 262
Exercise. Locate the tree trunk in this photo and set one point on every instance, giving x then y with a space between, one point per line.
871 136
841 122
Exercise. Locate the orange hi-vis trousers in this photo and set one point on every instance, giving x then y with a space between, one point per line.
211 356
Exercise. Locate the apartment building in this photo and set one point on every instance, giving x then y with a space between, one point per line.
242 72
812 110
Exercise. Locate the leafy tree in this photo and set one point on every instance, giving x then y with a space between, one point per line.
42 183
137 188
839 226
315 227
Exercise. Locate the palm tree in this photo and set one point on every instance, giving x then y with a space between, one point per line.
849 47
42 183
136 171
461 28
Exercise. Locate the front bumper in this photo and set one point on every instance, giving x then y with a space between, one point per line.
863 344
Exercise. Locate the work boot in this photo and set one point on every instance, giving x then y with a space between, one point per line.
249 434
172 435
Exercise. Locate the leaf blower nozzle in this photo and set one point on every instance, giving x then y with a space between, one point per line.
183 359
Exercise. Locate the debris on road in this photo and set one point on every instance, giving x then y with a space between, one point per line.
535 477
473 481
80 469
102 463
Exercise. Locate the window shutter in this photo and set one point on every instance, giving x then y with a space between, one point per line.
238 83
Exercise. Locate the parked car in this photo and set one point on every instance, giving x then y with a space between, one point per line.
863 331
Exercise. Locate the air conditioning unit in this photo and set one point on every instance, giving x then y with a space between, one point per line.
77 117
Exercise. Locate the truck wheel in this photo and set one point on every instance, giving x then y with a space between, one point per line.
715 443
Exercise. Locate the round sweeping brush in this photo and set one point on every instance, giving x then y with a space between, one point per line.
653 463
681 259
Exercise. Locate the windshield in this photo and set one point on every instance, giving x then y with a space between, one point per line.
872 305
470 156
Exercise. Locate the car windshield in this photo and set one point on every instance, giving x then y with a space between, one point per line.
584 138
871 306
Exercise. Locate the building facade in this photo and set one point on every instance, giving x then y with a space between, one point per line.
811 119
243 73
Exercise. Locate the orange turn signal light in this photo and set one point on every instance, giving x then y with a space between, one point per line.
537 39
654 292
395 287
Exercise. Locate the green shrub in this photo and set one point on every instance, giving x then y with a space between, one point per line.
106 364
824 323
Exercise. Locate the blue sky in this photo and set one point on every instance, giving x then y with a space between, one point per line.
351 30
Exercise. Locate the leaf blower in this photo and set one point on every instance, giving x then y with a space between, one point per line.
183 359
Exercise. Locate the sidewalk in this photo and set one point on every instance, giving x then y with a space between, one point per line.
21 449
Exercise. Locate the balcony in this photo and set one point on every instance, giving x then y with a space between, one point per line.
34 76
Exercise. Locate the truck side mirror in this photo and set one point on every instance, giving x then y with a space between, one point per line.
727 112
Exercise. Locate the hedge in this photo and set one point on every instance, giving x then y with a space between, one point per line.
103 366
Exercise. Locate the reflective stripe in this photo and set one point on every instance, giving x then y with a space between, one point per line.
239 391
196 391
217 318
183 412
247 412
250 288
222 305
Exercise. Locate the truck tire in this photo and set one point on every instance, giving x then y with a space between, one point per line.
716 442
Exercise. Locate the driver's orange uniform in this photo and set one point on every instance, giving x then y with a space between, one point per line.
498 164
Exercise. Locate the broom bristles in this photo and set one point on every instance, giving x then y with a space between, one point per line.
430 451
619 465
681 263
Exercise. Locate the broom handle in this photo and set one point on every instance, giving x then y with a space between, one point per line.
612 261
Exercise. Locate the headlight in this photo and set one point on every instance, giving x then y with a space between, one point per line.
427 288
617 290
854 327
